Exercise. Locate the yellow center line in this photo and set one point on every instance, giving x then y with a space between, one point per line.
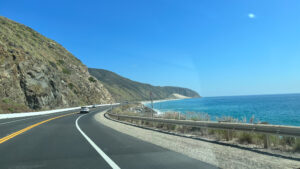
2 140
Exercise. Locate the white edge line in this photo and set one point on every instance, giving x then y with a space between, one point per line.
102 154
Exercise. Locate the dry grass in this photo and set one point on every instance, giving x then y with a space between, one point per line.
296 146
259 140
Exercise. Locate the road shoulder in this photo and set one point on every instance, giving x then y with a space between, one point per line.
218 155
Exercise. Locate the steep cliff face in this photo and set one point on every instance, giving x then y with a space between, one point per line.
38 73
125 89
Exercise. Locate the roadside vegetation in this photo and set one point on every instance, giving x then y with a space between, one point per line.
91 79
245 139
9 106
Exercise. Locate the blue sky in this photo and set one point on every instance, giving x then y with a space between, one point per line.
217 48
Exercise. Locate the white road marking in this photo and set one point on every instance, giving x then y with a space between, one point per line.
102 154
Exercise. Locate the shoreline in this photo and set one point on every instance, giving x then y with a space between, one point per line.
160 101
248 110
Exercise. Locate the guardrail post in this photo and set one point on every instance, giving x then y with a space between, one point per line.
227 137
266 141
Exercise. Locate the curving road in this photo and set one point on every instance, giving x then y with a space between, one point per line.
71 140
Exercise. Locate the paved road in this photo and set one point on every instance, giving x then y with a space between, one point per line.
60 143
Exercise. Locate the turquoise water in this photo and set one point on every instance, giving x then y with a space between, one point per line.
274 109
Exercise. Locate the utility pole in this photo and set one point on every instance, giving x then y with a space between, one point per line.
151 103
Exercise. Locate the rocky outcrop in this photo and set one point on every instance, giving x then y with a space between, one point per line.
38 73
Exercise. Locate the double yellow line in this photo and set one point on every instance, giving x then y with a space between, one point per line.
4 139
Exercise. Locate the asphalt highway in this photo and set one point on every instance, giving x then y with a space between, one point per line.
77 141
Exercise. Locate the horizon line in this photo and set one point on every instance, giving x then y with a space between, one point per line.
252 95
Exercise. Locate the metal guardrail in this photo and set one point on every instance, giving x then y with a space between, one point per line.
261 128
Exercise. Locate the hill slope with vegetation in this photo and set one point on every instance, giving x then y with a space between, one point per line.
125 89
38 73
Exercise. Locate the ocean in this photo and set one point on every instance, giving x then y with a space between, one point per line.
283 109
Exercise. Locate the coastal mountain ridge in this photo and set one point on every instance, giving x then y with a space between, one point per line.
122 88
37 73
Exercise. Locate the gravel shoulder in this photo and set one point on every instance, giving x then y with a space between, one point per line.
219 155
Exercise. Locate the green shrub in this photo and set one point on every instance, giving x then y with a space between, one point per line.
296 146
66 71
53 64
258 138
91 79
245 138
159 125
224 134
287 140
71 85
61 62
10 109
170 126
6 100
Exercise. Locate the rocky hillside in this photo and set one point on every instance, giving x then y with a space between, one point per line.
125 89
38 73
